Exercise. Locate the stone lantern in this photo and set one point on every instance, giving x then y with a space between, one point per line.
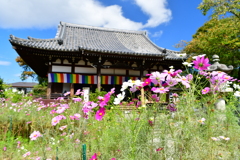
216 66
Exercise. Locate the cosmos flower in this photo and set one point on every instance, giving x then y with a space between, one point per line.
75 116
215 139
119 98
26 154
147 82
201 63
187 64
35 135
237 94
63 127
202 121
205 90
94 157
224 138
100 113
160 90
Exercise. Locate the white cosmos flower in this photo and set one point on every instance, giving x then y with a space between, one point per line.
119 98
202 55
237 94
125 85
187 64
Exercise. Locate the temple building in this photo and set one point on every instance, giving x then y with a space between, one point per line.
95 57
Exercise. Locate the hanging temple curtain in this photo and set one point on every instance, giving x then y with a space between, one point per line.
87 79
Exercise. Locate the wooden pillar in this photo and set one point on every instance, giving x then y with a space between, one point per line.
71 89
49 90
142 89
99 78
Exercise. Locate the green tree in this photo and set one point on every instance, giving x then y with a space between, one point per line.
1 88
218 36
221 7
27 70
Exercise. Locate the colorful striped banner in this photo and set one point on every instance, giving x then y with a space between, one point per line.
86 79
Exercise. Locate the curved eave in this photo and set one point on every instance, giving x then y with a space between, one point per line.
35 45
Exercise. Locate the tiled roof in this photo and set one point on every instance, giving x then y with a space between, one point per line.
73 37
24 84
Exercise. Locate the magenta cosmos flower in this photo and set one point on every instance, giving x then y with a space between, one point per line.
100 113
205 90
94 157
201 63
35 135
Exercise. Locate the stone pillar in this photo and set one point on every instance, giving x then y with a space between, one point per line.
49 90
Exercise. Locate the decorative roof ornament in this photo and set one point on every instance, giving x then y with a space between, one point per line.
216 66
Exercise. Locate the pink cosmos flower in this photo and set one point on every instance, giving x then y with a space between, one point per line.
175 95
202 121
100 113
205 90
77 141
26 154
4 148
184 81
52 111
171 81
88 106
94 157
201 63
155 97
18 144
75 117
160 90
79 92
157 78
77 100
63 127
57 119
35 135
60 110
67 93
113 159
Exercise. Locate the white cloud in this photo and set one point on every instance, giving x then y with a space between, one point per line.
5 63
48 13
157 34
157 11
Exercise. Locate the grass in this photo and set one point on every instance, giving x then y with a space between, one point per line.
146 133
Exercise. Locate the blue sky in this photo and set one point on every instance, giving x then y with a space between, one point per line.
166 21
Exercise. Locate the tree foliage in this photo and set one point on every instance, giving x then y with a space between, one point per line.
217 37
221 7
27 71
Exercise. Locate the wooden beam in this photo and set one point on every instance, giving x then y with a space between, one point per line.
49 90
99 77
142 90
72 89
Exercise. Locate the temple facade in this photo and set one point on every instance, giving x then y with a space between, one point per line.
98 58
